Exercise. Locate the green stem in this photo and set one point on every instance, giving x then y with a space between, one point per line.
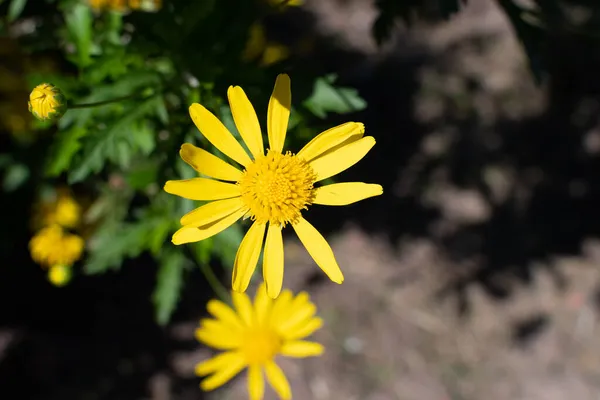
101 103
212 279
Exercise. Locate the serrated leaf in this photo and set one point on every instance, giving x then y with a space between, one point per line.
169 281
63 150
113 144
328 98
113 243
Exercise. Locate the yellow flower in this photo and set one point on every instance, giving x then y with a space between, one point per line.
53 246
285 3
257 46
46 102
63 210
59 275
253 334
272 189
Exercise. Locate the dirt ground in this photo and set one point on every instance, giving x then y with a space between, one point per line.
409 323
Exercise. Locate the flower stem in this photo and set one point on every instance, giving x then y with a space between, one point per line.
102 103
211 278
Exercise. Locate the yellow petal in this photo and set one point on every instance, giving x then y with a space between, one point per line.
262 304
273 261
278 113
341 194
342 158
301 349
304 329
208 164
244 308
217 335
256 382
247 257
278 381
301 316
348 132
211 212
190 234
280 309
202 189
215 363
224 313
217 134
245 120
319 249
223 375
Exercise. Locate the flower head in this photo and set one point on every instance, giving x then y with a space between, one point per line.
53 246
46 102
62 210
273 189
252 335
59 275
259 49
124 5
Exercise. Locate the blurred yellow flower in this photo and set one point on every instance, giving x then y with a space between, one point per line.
257 47
253 334
62 210
124 5
59 275
53 246
286 3
46 102
272 189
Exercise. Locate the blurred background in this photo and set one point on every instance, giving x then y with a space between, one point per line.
475 276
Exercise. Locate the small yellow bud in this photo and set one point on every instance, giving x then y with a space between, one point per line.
59 275
47 102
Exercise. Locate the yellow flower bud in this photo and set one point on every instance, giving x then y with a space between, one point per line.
46 102
59 275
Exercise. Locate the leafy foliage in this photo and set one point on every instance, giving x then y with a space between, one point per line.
129 76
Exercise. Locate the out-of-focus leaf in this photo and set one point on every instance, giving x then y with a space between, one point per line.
327 98
15 9
168 284
15 176
115 144
64 148
115 242
142 175
78 19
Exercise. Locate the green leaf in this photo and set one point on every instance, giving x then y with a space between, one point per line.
63 150
327 98
113 243
15 176
117 144
78 18
168 285
15 9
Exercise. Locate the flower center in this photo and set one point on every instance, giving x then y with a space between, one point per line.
276 187
260 345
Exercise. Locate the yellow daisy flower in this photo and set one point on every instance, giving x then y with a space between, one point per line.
47 102
272 189
253 334
53 246
63 210
258 46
